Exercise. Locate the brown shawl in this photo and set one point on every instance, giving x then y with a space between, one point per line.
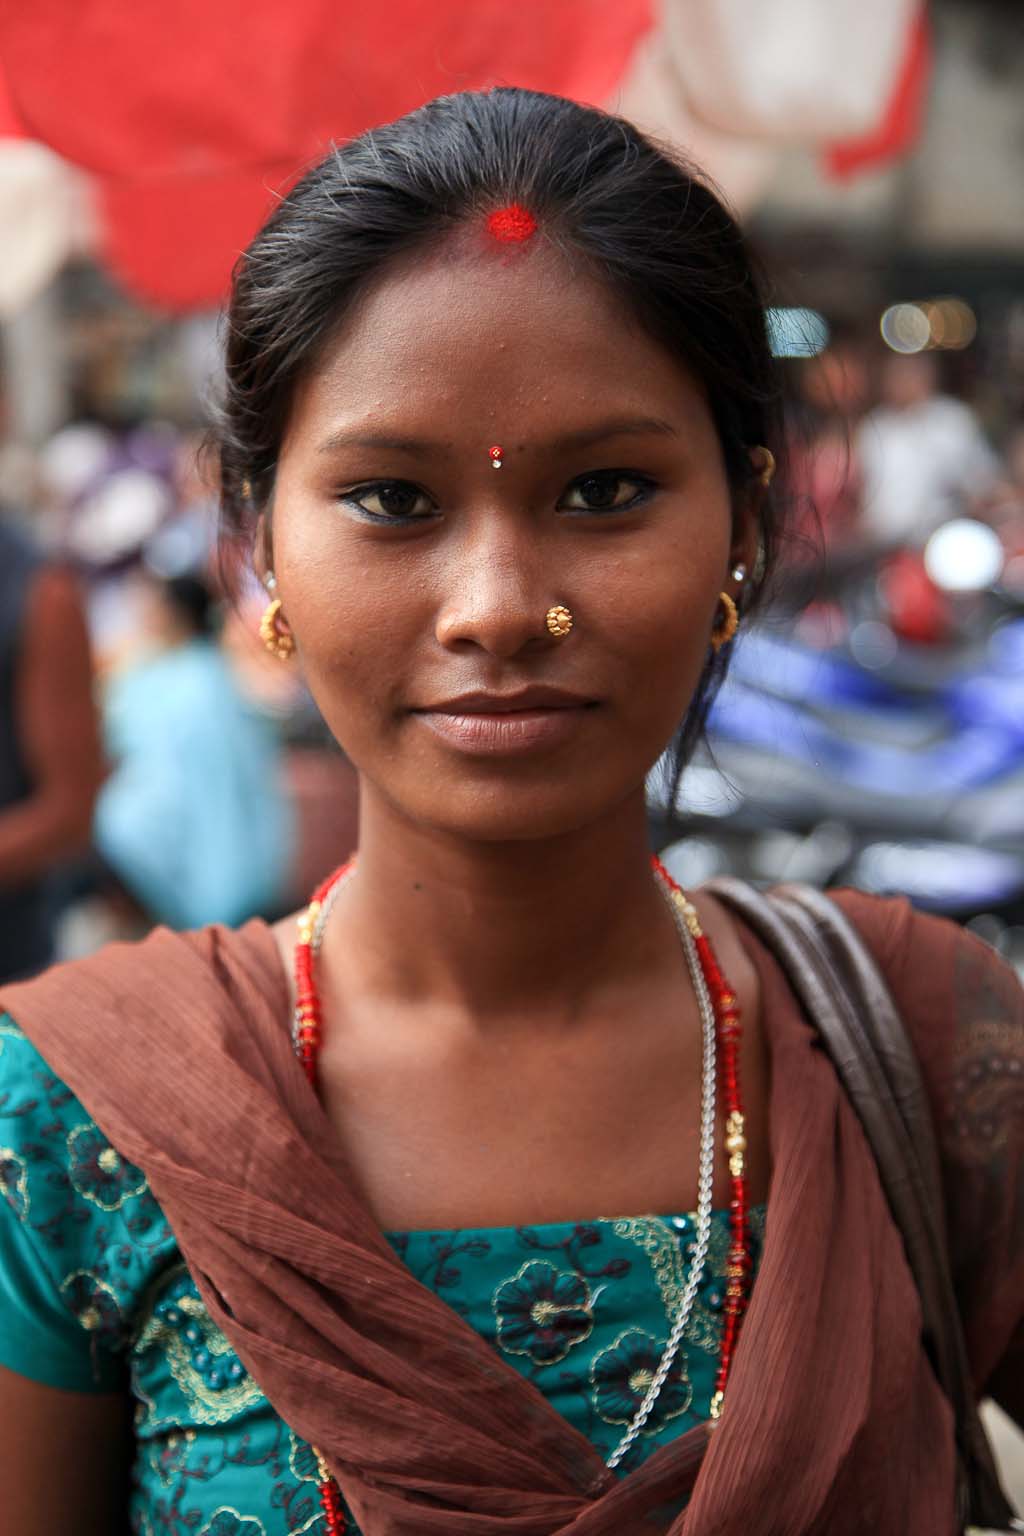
834 1422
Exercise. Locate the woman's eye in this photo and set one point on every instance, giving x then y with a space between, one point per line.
609 491
390 500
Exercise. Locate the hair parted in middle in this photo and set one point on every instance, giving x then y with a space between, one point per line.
641 221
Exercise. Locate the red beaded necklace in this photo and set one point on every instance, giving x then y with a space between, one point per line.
728 1033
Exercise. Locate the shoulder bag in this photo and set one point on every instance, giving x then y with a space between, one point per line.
845 996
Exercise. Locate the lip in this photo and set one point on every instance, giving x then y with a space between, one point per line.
507 723
538 696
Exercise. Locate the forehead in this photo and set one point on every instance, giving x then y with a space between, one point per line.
483 338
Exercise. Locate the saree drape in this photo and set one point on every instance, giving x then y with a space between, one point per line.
834 1422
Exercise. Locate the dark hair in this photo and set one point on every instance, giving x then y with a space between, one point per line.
192 601
648 225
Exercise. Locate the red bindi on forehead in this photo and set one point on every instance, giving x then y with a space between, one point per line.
512 225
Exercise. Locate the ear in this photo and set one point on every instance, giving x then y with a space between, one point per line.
746 532
262 549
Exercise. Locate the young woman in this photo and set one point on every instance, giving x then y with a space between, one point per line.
497 435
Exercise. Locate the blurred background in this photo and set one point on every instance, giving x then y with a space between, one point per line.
872 728
158 765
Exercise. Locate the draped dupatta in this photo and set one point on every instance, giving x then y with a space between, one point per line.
179 1048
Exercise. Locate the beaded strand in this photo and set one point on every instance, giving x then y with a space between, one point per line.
330 1498
308 1022
307 1035
730 1032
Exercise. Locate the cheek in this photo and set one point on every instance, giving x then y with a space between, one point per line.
355 621
658 609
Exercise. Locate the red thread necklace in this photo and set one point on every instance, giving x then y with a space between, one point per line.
723 1032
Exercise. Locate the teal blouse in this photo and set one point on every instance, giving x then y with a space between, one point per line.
95 1297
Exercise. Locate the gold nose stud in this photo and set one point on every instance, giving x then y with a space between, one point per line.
559 621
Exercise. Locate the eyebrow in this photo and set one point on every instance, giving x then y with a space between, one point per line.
618 426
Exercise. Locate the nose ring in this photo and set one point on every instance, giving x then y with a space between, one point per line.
559 621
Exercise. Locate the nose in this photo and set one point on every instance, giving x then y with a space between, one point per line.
497 591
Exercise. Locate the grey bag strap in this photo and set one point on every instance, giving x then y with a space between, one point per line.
845 996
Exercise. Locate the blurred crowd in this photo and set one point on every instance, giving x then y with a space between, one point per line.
882 455
896 478
157 765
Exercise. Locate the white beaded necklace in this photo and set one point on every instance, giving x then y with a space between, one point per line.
705 1165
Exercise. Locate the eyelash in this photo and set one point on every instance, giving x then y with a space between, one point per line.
644 484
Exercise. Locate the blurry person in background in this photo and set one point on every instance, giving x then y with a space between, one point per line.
824 470
1004 508
194 821
50 757
923 455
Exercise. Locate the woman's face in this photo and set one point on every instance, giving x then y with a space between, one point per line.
416 577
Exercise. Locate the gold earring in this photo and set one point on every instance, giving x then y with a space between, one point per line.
279 641
724 632
767 460
559 621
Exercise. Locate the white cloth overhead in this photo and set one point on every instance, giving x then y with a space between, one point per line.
788 71
651 95
40 218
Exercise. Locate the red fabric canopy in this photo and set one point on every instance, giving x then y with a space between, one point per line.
193 116
10 126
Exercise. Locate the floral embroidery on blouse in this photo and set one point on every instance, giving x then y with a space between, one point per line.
94 1303
582 1309
542 1312
14 1182
621 1376
99 1173
228 1522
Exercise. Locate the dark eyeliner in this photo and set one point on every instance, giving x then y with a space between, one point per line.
645 484
350 498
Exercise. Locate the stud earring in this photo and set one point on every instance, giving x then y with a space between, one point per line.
727 626
739 573
559 621
280 642
496 454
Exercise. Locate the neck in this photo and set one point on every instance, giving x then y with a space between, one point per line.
500 929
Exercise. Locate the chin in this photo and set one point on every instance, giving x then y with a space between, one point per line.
519 814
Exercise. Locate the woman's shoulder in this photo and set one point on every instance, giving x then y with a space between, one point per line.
954 992
58 1172
80 1232
951 989
36 1107
963 1008
173 984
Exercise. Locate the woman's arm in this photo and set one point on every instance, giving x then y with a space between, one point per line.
964 1010
64 1459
